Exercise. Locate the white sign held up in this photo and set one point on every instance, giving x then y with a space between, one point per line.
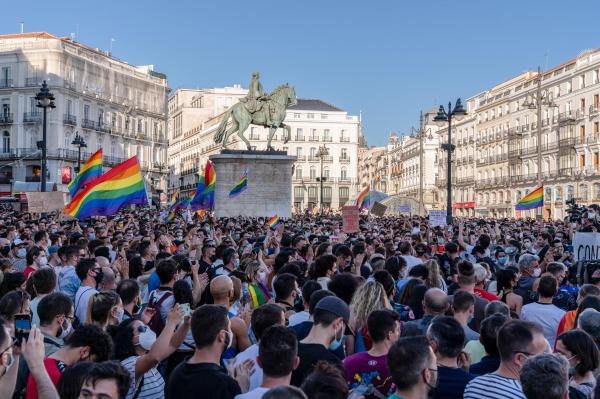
586 246
437 217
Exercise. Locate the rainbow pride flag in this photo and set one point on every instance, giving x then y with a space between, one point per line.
274 221
90 171
173 200
259 294
210 181
533 200
121 186
240 187
363 200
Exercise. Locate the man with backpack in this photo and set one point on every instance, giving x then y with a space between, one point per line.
162 299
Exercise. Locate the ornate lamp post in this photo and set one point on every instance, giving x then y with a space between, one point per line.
45 100
80 143
322 153
441 119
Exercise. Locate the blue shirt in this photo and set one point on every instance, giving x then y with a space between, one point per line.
67 281
154 282
451 383
488 364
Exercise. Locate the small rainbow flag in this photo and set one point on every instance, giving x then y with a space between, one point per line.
533 200
121 186
240 187
173 199
363 200
90 171
274 221
259 294
210 181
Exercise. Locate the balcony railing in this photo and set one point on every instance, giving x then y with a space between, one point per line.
88 124
6 83
301 158
344 139
32 117
6 119
69 119
33 82
593 109
566 116
313 138
299 138
327 139
101 127
344 160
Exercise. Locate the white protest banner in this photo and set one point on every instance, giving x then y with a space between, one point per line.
586 246
437 217
38 202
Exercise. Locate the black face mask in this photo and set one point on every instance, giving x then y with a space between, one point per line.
98 277
213 258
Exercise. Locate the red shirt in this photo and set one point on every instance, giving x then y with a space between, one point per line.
54 368
485 295
28 270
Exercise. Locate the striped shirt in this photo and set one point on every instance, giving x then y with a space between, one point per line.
494 386
154 385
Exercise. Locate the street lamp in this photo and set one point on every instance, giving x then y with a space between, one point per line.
45 100
80 143
540 99
322 153
421 134
441 119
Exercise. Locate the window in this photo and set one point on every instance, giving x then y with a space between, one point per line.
296 115
100 117
299 134
5 77
312 193
313 152
344 153
299 152
5 142
299 173
310 116
69 106
86 112
323 116
326 173
344 195
558 193
582 160
254 134
298 194
596 128
343 174
313 133
596 190
33 105
583 192
313 173
582 81
570 192
326 135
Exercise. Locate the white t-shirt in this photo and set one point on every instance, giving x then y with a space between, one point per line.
257 378
545 314
411 261
82 298
154 384
253 394
298 318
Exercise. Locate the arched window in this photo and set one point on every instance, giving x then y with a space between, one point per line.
558 193
570 192
583 192
5 142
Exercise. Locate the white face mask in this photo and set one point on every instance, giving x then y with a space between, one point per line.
66 330
147 338
43 261
536 272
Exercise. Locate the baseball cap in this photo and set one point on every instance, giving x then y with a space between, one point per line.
335 305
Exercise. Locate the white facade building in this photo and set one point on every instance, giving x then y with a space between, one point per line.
313 123
113 105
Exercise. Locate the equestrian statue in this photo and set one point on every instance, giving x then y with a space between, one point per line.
260 109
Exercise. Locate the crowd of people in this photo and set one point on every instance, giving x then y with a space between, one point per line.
128 307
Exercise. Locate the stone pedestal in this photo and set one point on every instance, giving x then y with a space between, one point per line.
269 189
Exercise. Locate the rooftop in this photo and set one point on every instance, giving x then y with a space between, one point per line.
306 104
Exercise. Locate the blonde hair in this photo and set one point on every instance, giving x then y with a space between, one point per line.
368 297
433 275
99 307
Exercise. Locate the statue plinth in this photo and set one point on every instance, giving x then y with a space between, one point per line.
269 189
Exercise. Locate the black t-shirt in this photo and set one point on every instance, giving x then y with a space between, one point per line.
309 355
203 266
201 380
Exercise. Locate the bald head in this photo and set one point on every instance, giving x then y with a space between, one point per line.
108 279
435 301
221 287
102 261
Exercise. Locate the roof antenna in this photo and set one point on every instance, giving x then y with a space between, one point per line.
22 27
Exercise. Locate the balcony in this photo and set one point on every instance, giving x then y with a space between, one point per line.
312 158
33 82
327 139
327 158
6 83
88 124
593 109
32 117
69 119
313 138
580 114
70 85
299 138
344 139
566 117
6 119
101 127
301 158
344 160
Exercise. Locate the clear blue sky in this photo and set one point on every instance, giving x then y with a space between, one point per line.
389 59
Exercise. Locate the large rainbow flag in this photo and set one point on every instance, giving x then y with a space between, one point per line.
363 200
533 200
90 171
121 186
